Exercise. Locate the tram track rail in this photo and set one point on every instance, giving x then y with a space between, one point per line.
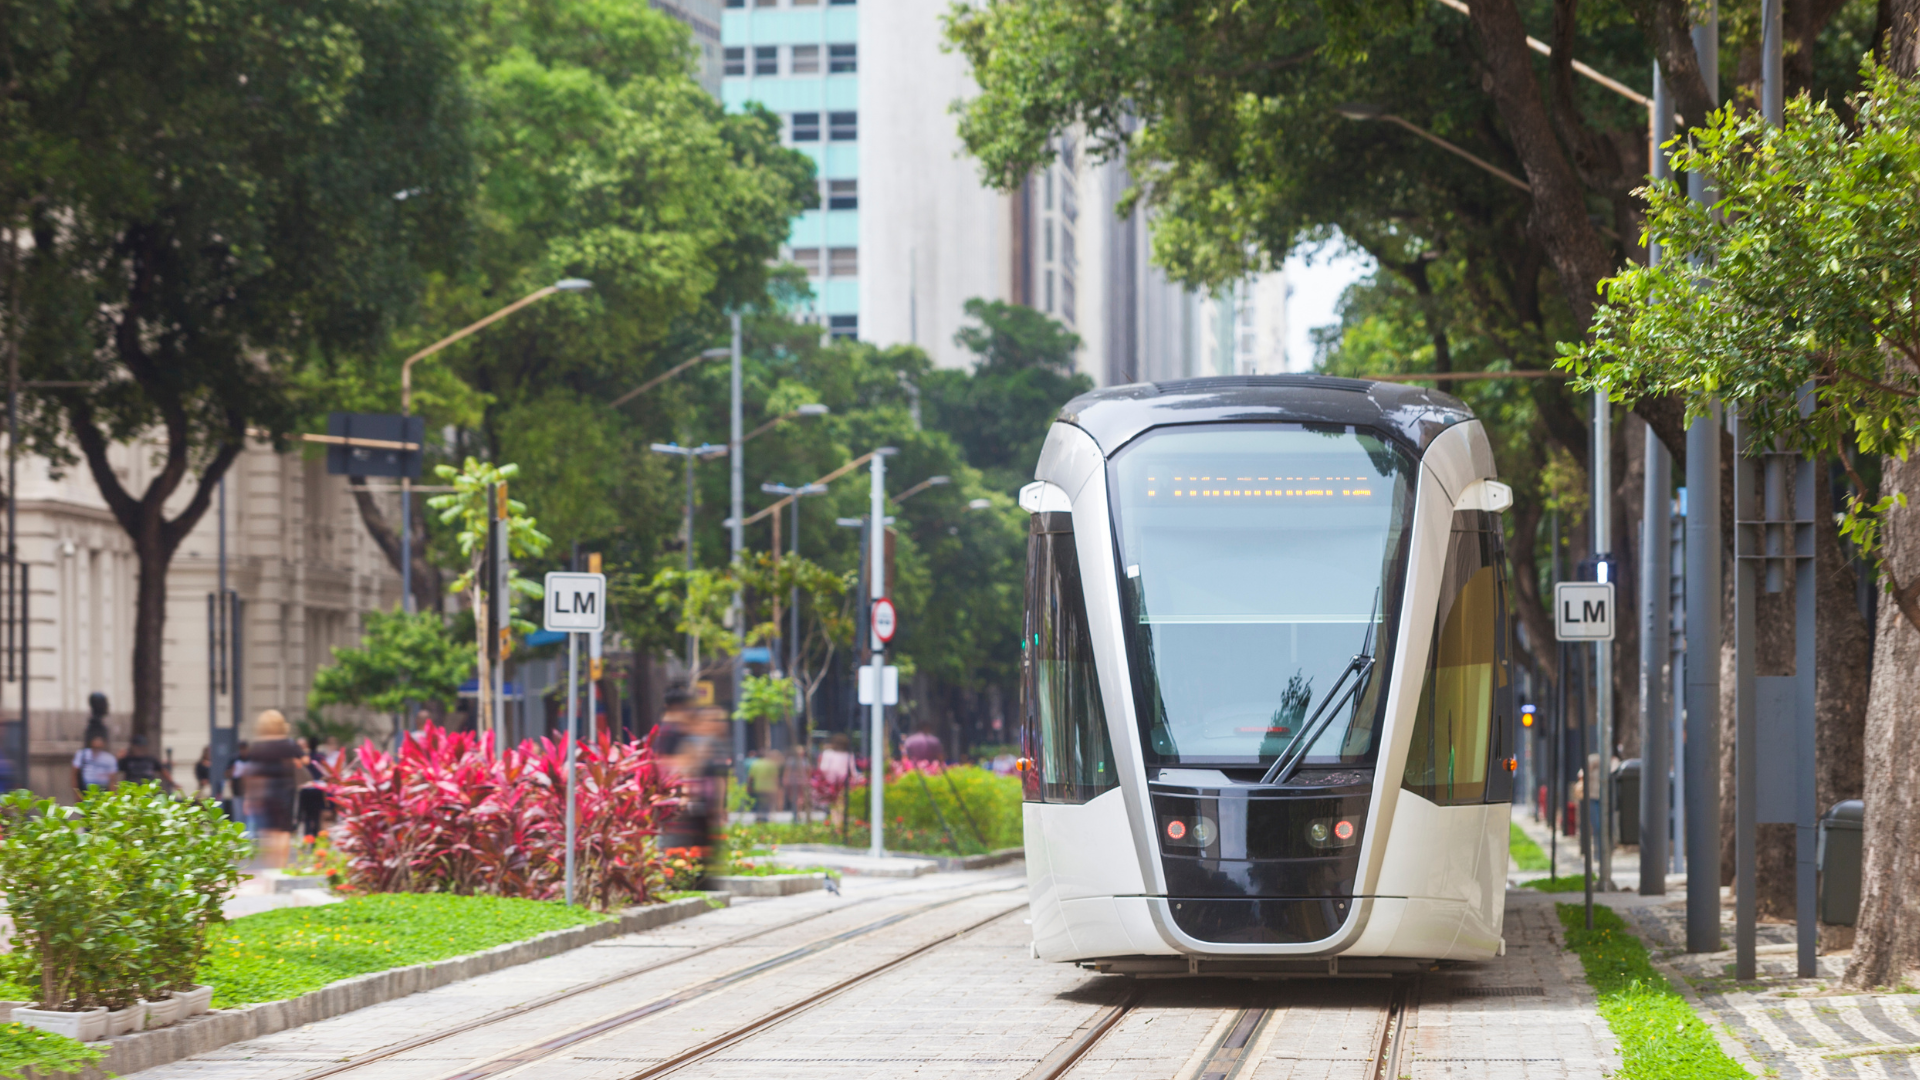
384 1053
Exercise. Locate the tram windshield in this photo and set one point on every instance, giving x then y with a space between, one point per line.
1261 567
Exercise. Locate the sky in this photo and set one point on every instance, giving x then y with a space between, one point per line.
1316 278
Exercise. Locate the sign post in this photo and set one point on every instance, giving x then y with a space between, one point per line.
574 604
1584 611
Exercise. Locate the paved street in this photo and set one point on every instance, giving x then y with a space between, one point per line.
931 977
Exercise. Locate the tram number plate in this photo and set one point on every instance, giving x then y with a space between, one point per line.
1583 611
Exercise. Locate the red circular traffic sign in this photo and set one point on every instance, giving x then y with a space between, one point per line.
885 621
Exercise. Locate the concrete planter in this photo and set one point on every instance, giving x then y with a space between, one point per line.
127 1020
162 1012
193 1002
769 885
89 1025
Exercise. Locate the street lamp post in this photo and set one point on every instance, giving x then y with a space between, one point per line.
877 752
406 409
929 482
689 454
793 595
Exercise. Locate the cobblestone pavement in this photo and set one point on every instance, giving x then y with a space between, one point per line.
1785 1025
972 1005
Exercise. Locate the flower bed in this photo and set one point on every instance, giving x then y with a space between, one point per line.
22 1048
449 814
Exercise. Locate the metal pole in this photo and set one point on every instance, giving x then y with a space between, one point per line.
1702 759
1557 743
793 599
1745 717
692 675
877 750
573 725
1603 651
1676 673
736 458
1654 620
502 616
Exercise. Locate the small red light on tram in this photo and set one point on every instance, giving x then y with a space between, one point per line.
1176 829
1344 830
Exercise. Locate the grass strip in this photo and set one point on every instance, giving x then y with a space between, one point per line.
280 954
1557 885
1660 1036
1526 854
22 1047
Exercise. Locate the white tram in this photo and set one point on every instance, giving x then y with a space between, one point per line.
1267 711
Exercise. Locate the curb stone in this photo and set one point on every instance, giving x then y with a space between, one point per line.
221 1027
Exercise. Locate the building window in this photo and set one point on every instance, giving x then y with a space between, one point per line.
806 127
1069 204
843 326
843 194
843 59
807 259
841 3
766 3
1049 189
843 261
806 60
736 3
1068 257
736 61
1049 239
766 59
1066 298
1049 292
843 126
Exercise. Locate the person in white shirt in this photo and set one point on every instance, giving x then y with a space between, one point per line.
94 766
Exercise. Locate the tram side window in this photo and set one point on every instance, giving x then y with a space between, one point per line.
1064 726
1467 687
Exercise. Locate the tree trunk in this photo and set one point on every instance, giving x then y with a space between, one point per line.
428 586
1629 509
149 630
1842 669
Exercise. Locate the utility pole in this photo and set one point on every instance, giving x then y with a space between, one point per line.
877 750
1602 832
736 457
1703 611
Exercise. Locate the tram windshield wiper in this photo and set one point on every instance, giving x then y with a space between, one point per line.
1353 678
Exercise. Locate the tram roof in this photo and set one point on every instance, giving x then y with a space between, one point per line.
1117 414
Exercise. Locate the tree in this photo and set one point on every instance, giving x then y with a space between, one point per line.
1812 264
402 660
600 157
999 412
466 508
206 205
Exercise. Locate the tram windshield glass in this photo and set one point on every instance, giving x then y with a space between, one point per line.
1261 570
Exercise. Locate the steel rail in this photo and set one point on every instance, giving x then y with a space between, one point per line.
1393 1032
385 1052
1084 1038
546 1048
777 1016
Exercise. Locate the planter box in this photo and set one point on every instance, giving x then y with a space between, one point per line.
87 1026
769 885
130 1019
162 1012
193 1002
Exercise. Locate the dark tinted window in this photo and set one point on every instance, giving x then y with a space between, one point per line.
843 59
1064 725
736 60
806 127
1462 730
843 126
766 60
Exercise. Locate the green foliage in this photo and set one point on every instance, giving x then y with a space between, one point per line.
999 413
1558 884
1659 1034
401 658
280 954
1811 264
921 802
23 1048
765 697
1526 854
111 899
466 509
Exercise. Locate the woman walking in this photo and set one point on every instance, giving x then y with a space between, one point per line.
276 767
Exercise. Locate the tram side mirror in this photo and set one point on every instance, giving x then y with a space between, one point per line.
1489 495
1041 497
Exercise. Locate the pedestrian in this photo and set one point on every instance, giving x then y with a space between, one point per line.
837 770
203 773
923 747
794 782
763 779
275 766
138 766
689 749
94 766
312 802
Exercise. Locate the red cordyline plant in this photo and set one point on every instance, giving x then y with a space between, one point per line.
448 814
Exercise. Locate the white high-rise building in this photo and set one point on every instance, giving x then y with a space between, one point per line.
907 232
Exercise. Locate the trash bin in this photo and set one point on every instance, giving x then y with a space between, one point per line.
1837 855
1626 801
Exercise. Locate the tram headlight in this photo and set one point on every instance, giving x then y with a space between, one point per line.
1332 832
1194 832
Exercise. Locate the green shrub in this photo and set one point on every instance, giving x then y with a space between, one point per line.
980 808
111 899
22 1047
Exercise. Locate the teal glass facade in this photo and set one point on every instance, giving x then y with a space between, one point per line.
801 61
